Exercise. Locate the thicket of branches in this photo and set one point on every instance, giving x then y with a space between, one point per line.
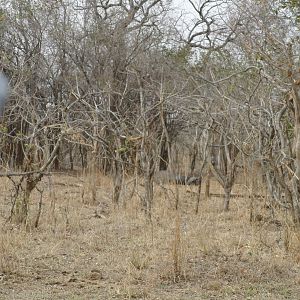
112 86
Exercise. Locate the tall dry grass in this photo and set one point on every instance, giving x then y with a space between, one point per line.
79 241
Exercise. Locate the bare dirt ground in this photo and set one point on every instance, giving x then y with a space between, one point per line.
92 251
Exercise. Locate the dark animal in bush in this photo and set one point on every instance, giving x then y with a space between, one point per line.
163 177
187 180
194 180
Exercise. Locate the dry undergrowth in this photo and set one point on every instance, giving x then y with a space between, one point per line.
84 249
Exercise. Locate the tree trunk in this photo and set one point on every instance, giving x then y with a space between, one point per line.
83 156
207 186
71 158
296 177
21 209
164 157
193 156
227 191
117 182
198 197
148 196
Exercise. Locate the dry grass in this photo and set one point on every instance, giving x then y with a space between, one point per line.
86 250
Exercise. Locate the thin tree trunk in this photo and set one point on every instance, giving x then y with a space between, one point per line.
117 183
193 158
71 157
207 186
198 197
227 198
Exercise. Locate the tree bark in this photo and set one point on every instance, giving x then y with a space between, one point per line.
227 191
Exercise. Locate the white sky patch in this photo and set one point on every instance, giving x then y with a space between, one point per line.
204 24
185 10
